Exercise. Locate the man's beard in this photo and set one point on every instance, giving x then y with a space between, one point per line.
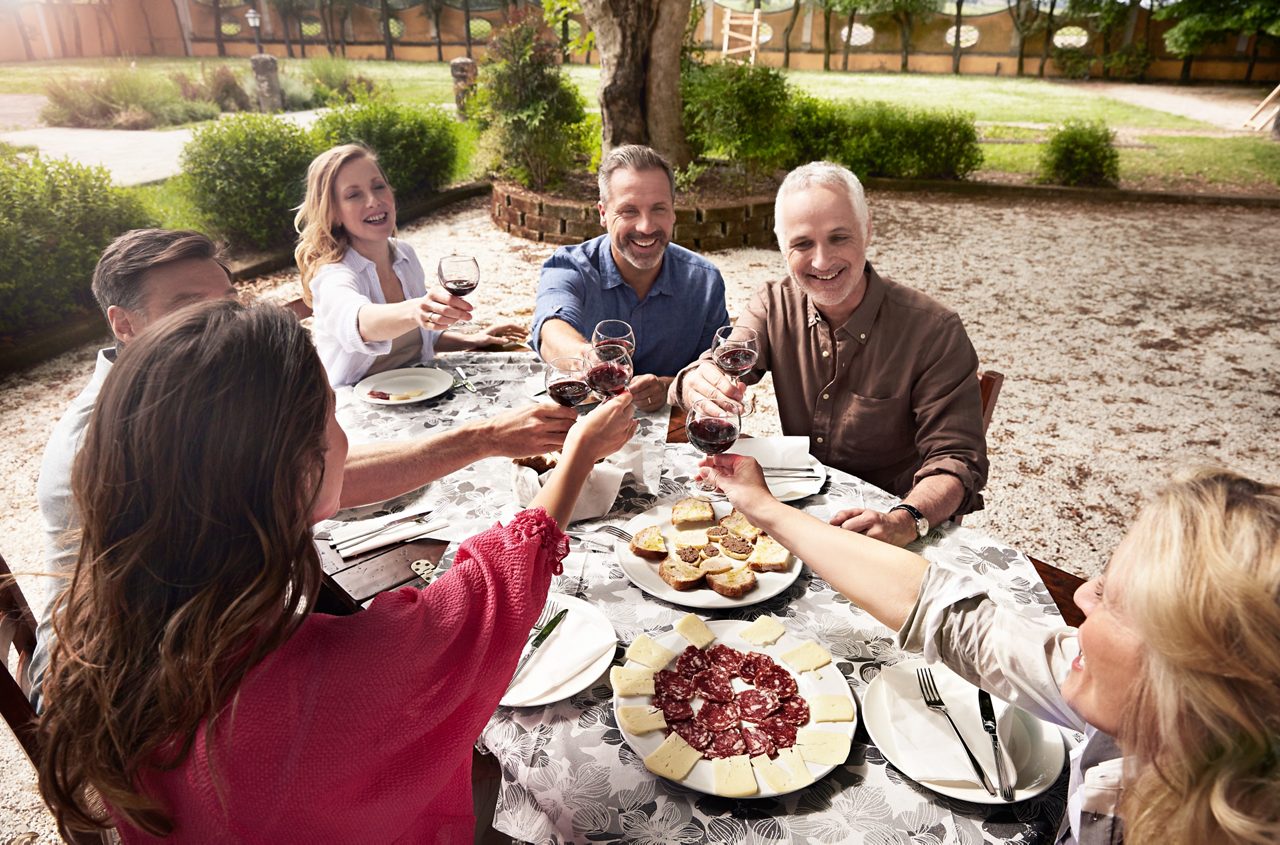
645 262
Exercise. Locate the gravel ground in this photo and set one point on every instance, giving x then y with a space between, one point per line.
1132 338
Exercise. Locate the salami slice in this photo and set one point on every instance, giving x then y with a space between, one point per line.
758 742
673 685
726 657
777 679
753 663
782 733
717 717
673 709
691 661
794 711
714 684
727 744
693 733
756 705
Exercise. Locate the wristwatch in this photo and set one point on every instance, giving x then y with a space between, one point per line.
922 524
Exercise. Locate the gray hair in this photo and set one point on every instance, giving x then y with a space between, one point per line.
633 157
827 175
117 280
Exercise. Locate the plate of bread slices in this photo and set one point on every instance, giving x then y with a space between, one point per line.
704 554
734 708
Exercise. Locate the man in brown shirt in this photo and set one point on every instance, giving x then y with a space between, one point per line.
882 378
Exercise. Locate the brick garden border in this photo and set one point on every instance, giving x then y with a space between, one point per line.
703 228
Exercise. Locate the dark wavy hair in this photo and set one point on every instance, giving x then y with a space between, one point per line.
195 487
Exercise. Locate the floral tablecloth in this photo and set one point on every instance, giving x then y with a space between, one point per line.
568 775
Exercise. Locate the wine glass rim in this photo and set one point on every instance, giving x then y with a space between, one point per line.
554 362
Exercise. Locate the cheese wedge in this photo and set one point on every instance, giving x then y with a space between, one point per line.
631 680
641 720
825 748
674 758
796 767
763 631
695 631
830 708
734 777
646 651
690 537
769 556
807 657
777 778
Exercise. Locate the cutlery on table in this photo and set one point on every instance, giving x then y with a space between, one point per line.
988 714
357 539
543 632
463 380
932 700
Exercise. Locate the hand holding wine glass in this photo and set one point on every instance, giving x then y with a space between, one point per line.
566 380
614 333
735 351
459 275
609 370
712 429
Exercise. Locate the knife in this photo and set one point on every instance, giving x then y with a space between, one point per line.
462 377
537 643
989 725
360 538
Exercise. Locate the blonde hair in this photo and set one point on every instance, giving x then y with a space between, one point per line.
1200 582
321 239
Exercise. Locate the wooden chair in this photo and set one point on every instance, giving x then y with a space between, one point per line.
989 384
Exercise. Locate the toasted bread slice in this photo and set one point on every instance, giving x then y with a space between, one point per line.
769 556
733 584
690 511
716 564
696 537
539 463
738 548
649 543
680 575
740 525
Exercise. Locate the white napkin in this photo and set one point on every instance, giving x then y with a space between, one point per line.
642 461
928 743
576 643
341 531
775 451
399 534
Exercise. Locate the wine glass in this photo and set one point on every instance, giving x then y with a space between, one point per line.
459 275
735 351
609 370
712 429
567 381
614 333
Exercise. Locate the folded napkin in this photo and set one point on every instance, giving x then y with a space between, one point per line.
643 462
577 642
787 452
927 744
398 534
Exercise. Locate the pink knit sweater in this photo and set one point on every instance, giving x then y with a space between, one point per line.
360 728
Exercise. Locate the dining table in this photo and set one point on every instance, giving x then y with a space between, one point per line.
567 773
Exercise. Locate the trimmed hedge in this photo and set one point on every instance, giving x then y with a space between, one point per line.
415 145
1081 152
55 219
738 111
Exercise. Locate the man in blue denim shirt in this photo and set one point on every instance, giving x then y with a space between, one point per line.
673 298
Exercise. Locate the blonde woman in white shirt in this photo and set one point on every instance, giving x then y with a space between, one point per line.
373 311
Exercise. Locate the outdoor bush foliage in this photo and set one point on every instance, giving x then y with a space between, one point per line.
531 112
55 218
335 82
873 138
416 145
218 85
738 111
246 173
298 93
1129 62
121 98
1081 152
1073 62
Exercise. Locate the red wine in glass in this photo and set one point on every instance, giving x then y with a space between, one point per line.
460 287
628 348
712 435
569 392
735 361
608 378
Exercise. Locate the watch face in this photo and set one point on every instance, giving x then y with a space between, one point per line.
922 527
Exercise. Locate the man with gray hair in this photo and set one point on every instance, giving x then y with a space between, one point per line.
673 298
882 378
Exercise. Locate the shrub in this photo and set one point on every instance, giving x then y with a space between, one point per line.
246 173
298 93
738 111
416 145
1073 62
218 86
880 139
1129 62
55 218
121 98
335 82
1081 152
531 113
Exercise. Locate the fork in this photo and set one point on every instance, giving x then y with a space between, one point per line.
350 542
614 531
932 700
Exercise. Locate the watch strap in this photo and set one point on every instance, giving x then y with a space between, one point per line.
922 524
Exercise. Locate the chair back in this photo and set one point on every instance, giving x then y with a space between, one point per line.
989 383
17 633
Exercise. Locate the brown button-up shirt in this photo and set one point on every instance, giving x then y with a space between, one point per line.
891 396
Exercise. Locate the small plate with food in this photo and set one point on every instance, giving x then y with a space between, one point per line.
703 554
733 708
403 387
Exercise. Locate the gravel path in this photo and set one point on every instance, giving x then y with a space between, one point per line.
1132 338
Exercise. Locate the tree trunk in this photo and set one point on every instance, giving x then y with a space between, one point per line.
75 30
1020 40
955 48
1106 51
288 42
1048 39
302 38
217 27
466 11
26 42
848 32
904 30
1253 57
623 31
786 34
826 38
1185 76
664 113
62 38
326 27
387 47
435 20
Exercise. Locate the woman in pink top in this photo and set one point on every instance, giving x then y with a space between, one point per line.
190 688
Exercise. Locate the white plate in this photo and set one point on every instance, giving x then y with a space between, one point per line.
825 681
644 573
1035 747
431 382
791 489
577 682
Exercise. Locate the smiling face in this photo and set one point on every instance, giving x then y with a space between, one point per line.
640 216
363 203
825 247
1101 683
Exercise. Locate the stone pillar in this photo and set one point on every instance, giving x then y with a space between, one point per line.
267 77
464 79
